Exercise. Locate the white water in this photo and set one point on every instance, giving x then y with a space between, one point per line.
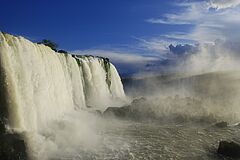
45 87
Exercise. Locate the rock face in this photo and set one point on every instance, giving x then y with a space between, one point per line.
121 112
143 109
12 147
230 149
135 111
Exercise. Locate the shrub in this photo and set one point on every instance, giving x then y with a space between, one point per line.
50 44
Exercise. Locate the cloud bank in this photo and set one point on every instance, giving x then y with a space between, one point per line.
211 44
214 35
222 4
127 63
209 23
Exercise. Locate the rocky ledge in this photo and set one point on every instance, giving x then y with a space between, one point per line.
229 149
12 147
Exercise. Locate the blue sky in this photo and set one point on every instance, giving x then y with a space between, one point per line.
84 24
132 33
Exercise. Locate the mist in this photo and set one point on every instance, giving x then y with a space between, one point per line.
202 85
78 135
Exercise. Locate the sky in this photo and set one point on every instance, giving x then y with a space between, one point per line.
134 34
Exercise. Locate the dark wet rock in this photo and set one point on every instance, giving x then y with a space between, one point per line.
2 127
230 149
142 109
12 147
139 101
131 112
221 124
120 112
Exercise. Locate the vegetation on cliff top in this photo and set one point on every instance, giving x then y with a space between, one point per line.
52 45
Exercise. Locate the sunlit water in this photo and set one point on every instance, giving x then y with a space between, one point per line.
125 140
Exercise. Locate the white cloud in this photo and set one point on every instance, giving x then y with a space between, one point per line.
157 45
118 56
167 21
211 58
125 62
222 4
179 37
208 24
192 13
210 20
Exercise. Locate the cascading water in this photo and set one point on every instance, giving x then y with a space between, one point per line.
41 86
52 98
101 85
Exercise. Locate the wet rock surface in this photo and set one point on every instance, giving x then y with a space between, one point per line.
133 111
168 110
12 147
221 124
230 149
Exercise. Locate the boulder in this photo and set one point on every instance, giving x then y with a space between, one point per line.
139 101
230 149
120 112
221 124
137 110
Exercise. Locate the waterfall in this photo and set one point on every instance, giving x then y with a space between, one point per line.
41 85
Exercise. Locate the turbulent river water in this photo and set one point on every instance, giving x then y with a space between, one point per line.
125 140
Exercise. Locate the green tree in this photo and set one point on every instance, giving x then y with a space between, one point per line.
50 44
